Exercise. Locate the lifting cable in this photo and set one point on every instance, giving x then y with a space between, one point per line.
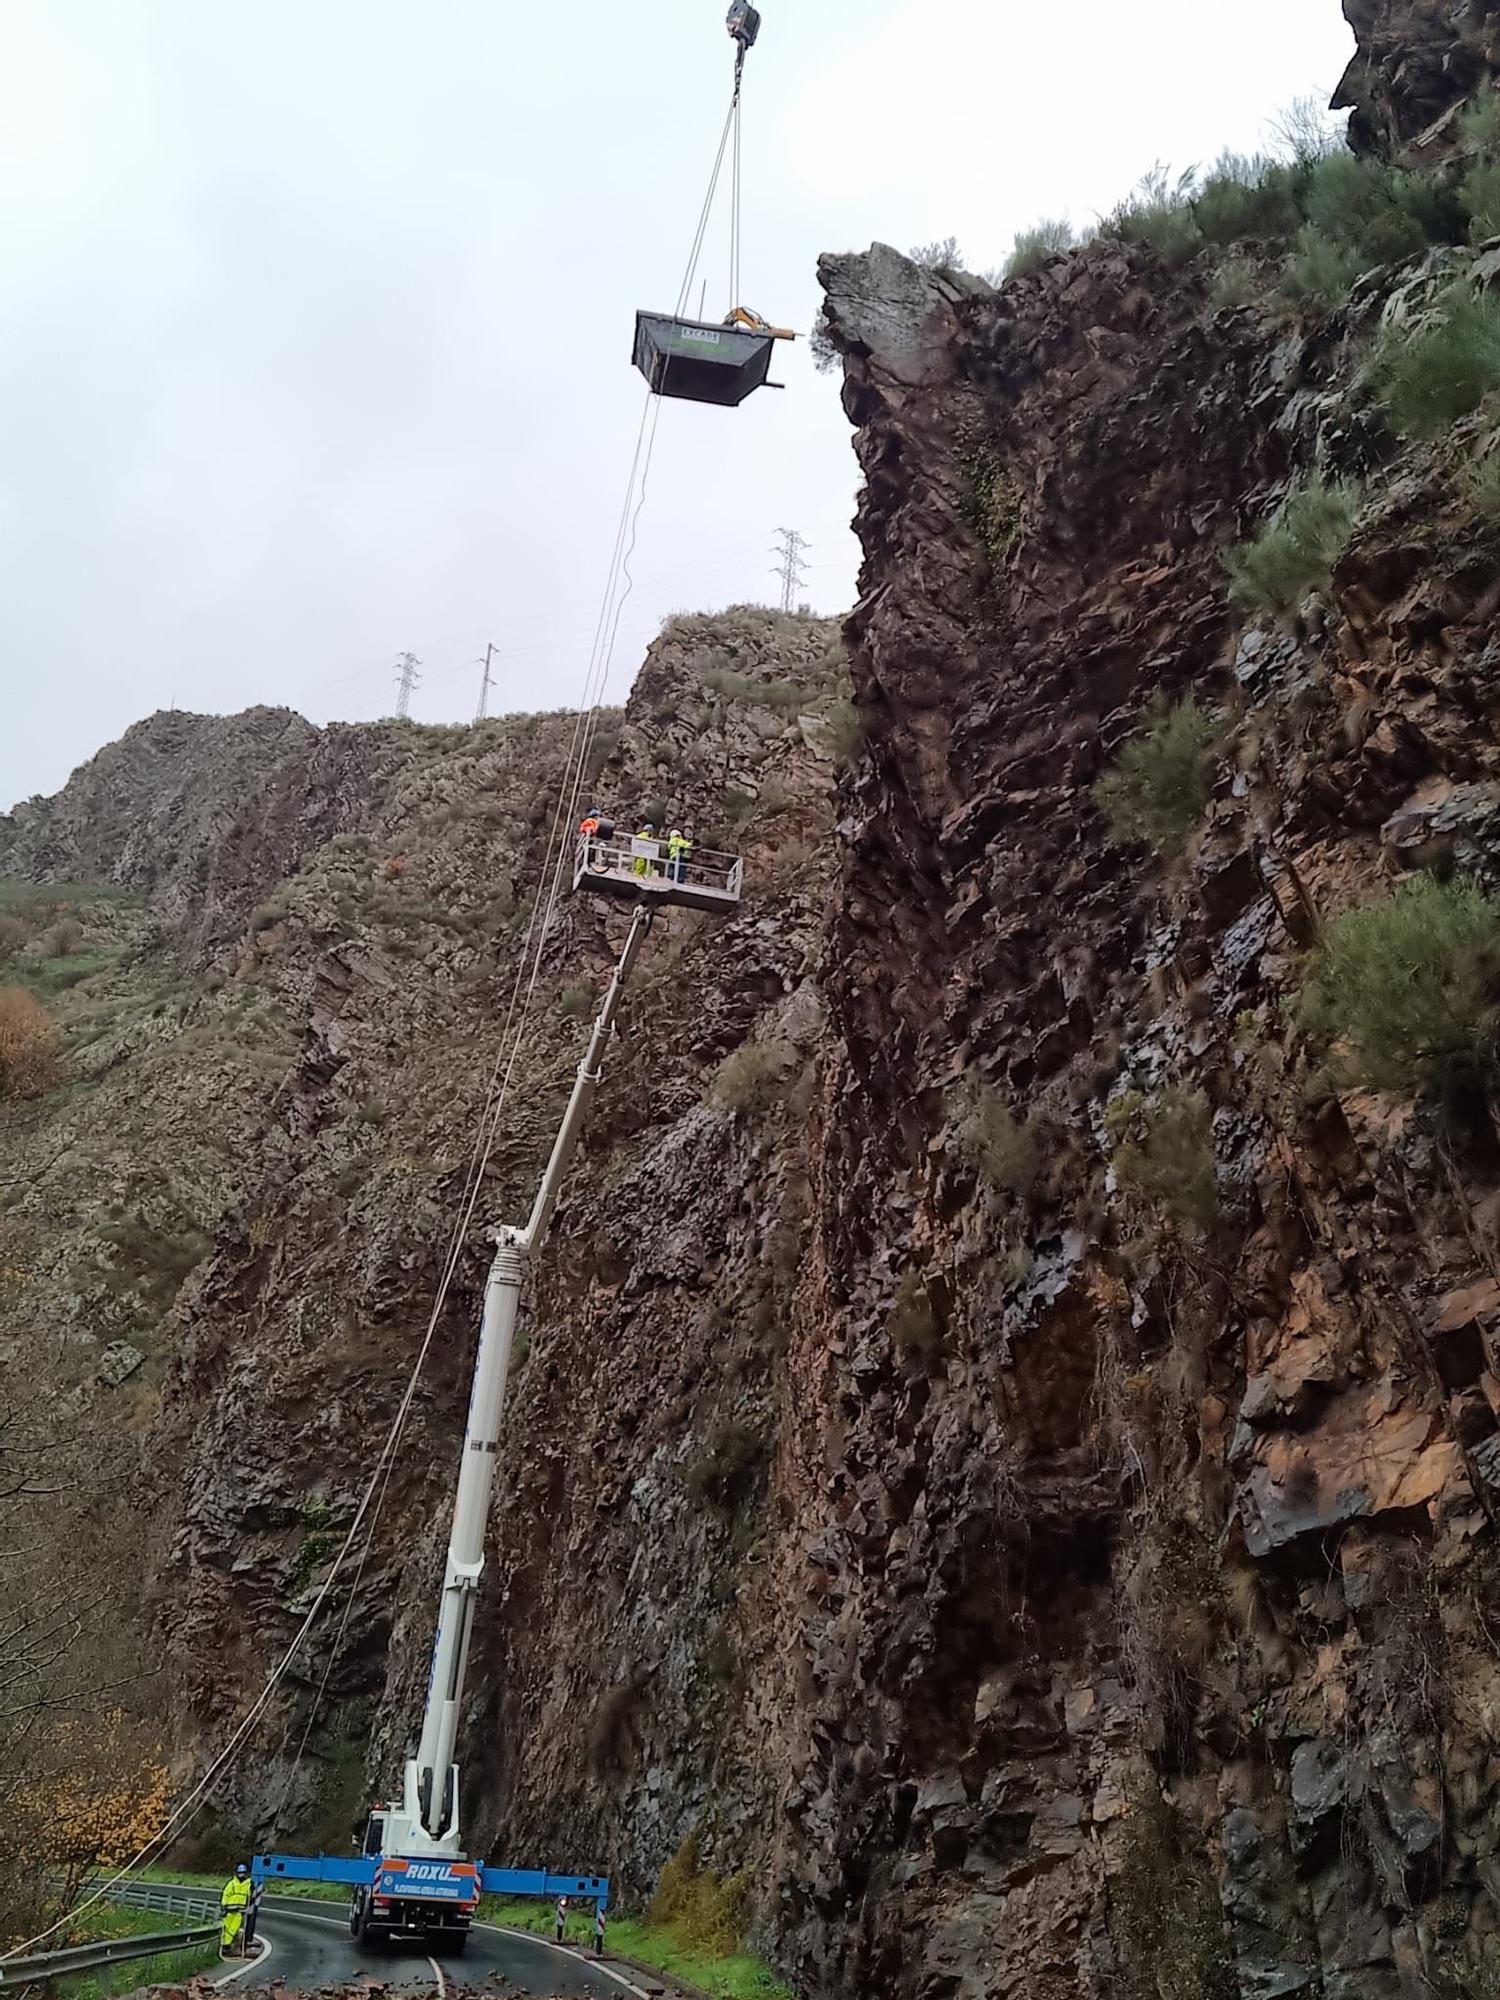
513 1040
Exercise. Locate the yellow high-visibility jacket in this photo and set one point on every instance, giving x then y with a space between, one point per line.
235 1894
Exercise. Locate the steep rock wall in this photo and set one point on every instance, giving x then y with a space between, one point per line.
1147 1570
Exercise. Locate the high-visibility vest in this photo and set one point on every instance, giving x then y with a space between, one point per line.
236 1894
679 847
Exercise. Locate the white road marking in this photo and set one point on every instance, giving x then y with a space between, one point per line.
438 1971
567 1951
250 1965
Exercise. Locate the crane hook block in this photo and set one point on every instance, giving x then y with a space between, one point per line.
743 23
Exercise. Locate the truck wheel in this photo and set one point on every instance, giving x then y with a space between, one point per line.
371 1935
454 1942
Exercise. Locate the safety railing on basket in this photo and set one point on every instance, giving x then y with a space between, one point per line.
639 858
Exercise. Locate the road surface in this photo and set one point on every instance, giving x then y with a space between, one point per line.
311 1946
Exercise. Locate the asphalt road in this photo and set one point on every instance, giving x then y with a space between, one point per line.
311 1946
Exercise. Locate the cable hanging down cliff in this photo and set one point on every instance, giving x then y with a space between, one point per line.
718 364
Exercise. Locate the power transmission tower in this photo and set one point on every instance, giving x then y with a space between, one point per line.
790 566
484 687
407 678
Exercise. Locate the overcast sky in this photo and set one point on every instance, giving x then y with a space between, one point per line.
315 315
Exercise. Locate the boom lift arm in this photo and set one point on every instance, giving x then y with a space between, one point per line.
428 1822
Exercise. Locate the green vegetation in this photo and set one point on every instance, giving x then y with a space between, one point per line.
1158 789
726 1472
1247 197
727 1975
1480 189
151 1259
320 1538
1158 213
1034 246
1479 482
1297 550
1428 378
845 731
754 1078
998 1144
135 1974
1164 1908
991 503
1359 213
914 1326
943 255
1410 984
1164 1155
1233 284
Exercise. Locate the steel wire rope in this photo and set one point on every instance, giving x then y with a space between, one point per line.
187 1810
533 950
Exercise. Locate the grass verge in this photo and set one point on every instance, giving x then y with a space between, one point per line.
736 1977
163 1969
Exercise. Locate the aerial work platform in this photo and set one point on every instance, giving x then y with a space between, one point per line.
638 870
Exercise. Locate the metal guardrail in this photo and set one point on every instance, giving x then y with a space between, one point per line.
104 1951
169 1897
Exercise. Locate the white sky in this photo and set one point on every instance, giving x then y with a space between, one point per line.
315 320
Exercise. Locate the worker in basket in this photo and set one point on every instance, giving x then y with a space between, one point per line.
679 847
647 852
232 1901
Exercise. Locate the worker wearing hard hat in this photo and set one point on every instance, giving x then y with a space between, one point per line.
679 847
232 1901
647 852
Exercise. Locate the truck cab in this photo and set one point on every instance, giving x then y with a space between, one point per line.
432 1898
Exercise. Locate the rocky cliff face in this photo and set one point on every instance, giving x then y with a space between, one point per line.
282 960
1419 63
1144 1563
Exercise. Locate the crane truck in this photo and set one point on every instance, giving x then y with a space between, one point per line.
413 1878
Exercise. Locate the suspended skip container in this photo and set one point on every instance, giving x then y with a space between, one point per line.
701 362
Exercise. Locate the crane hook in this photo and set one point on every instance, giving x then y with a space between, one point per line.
743 23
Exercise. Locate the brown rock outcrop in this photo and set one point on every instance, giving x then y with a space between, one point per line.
1419 63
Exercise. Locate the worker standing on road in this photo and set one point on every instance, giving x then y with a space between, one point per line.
560 1920
232 1901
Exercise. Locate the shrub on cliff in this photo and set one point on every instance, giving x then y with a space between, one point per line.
999 1145
1159 213
1360 214
1428 379
1164 1157
1410 984
939 257
30 1053
726 1471
1158 789
1247 197
1296 551
1044 239
1479 483
754 1078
